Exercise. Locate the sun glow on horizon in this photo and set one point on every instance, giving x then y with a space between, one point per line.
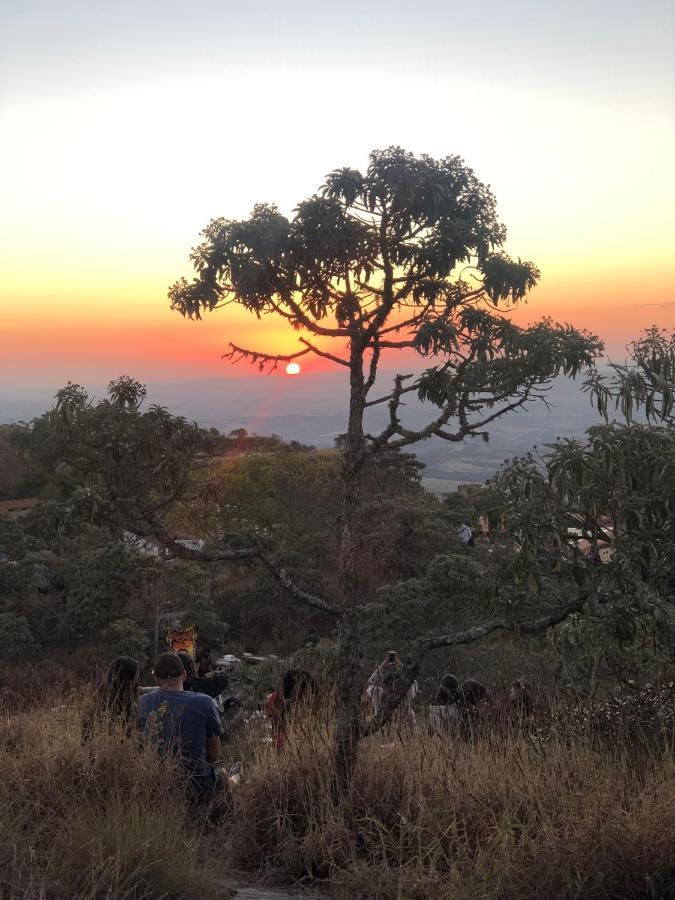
106 184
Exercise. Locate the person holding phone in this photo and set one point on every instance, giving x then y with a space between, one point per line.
381 684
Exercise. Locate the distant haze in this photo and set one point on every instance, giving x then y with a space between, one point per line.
314 410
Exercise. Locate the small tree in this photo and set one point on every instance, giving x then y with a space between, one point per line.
406 256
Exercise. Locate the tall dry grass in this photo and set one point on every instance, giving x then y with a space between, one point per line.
505 816
101 820
502 817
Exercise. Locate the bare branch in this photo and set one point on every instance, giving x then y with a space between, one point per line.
178 550
372 375
297 593
236 354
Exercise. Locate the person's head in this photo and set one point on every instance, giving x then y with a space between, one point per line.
169 671
392 659
121 680
298 684
188 664
473 692
447 690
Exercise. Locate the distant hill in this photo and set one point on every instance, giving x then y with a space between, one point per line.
312 410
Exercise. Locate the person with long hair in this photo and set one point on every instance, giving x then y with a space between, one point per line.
384 682
298 688
445 712
114 703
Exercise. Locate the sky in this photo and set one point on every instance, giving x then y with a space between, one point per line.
125 127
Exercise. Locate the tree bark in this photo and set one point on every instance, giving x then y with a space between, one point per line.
348 718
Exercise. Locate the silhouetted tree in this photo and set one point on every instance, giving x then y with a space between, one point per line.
406 256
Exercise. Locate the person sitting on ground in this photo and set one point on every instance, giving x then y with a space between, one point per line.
445 712
185 725
520 701
472 696
382 684
211 685
114 703
298 688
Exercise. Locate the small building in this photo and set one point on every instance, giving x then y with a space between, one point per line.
14 509
469 490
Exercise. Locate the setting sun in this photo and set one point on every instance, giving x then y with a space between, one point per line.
292 368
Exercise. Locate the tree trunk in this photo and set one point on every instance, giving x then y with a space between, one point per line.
349 687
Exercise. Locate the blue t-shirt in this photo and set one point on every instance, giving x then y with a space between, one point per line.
179 723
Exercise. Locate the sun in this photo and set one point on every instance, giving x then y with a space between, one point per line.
292 368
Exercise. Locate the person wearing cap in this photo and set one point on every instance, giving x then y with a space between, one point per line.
184 724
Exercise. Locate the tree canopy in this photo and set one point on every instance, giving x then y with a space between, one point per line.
408 255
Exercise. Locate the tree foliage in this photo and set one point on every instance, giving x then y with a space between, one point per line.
109 461
600 512
407 255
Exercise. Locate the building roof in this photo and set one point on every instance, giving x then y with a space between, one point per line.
8 506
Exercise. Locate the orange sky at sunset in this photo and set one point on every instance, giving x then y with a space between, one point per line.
123 135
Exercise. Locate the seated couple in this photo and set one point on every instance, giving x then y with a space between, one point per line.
187 725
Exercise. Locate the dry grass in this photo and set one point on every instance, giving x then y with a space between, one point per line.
104 820
495 819
504 817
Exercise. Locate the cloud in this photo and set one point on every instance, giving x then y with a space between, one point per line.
670 304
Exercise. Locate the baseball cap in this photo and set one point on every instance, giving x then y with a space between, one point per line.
168 665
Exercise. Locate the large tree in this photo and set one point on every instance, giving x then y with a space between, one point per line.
404 257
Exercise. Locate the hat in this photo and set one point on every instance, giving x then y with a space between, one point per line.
168 665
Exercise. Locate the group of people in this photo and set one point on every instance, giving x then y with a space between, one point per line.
456 708
183 721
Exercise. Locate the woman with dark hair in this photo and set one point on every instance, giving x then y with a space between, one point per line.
114 703
472 699
298 688
445 712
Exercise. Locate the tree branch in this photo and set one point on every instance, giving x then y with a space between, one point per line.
323 353
424 645
178 550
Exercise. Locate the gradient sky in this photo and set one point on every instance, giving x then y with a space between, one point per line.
126 126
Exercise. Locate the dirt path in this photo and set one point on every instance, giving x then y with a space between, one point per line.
261 892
